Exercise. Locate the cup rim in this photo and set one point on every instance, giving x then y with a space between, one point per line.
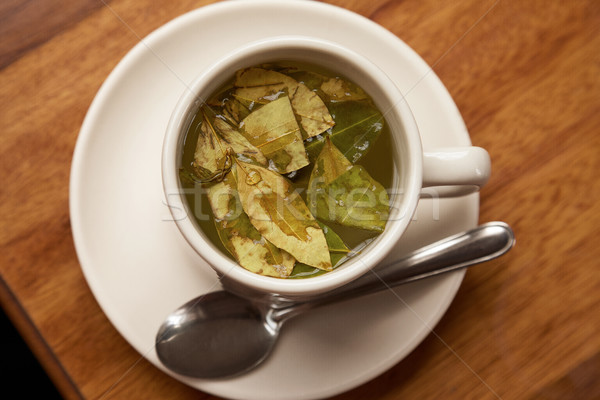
221 263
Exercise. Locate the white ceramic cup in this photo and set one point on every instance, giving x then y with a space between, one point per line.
443 172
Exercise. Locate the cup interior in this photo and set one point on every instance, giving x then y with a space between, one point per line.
405 138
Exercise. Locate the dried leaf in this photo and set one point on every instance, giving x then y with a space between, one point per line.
329 88
338 252
209 151
358 125
233 139
278 212
262 86
235 111
215 137
251 250
338 89
312 80
314 115
274 130
202 175
347 195
331 163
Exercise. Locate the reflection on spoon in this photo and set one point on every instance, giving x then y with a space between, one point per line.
220 334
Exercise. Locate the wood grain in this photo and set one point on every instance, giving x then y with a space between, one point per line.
525 78
28 24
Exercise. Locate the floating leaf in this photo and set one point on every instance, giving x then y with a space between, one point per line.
338 252
346 194
278 212
235 111
358 125
314 115
330 164
215 137
329 88
231 137
310 79
262 86
231 109
338 89
202 175
251 250
209 151
274 130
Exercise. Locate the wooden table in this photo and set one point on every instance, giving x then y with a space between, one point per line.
526 78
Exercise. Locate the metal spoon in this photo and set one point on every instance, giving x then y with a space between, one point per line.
220 334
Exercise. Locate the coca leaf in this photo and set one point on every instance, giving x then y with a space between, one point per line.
347 195
232 138
338 252
262 86
209 151
358 125
250 249
235 111
330 89
278 212
216 139
273 129
338 89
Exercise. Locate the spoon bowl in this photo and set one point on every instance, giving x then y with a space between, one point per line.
245 336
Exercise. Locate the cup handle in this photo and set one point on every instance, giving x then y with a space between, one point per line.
454 171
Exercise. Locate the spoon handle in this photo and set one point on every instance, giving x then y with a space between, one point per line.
483 243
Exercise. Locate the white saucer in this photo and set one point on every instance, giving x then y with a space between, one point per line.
139 267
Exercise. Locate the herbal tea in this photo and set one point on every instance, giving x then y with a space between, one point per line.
285 169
